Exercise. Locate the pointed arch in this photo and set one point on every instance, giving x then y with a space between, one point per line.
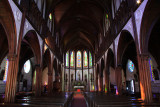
33 41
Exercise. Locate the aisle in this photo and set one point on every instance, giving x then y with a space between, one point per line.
78 101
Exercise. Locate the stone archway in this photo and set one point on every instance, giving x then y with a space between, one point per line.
109 64
56 83
130 70
26 53
154 58
7 23
97 78
146 39
101 75
126 50
47 62
4 49
124 40
31 39
147 24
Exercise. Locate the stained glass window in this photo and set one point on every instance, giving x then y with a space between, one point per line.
50 16
6 71
27 66
85 59
72 59
90 59
130 66
107 22
45 47
78 59
106 16
67 59
151 69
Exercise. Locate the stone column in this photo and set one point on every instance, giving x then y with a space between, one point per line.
38 81
10 89
107 81
13 58
88 70
101 81
50 83
60 78
96 80
119 79
145 78
57 83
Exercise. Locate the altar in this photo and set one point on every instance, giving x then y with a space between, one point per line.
81 85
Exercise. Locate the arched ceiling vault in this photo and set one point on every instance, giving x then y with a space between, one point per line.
79 23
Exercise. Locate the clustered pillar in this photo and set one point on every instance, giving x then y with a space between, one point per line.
38 81
11 80
119 79
107 81
50 83
96 81
101 81
145 78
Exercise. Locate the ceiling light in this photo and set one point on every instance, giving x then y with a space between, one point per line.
138 1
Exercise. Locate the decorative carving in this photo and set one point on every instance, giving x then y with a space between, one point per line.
138 15
26 25
129 25
18 15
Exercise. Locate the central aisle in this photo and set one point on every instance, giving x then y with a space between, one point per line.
78 101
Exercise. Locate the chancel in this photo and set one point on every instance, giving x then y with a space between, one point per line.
79 53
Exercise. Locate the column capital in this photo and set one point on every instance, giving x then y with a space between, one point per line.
50 73
11 57
119 66
144 56
38 67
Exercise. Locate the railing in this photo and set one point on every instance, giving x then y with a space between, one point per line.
121 18
35 18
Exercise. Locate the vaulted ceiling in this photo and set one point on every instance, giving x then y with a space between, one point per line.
78 23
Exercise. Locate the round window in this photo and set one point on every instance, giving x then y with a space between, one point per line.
130 66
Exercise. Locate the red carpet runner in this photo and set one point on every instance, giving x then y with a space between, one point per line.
78 101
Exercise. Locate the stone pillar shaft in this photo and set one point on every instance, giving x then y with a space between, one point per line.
96 80
119 79
107 81
145 78
11 80
38 81
101 82
13 58
50 83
